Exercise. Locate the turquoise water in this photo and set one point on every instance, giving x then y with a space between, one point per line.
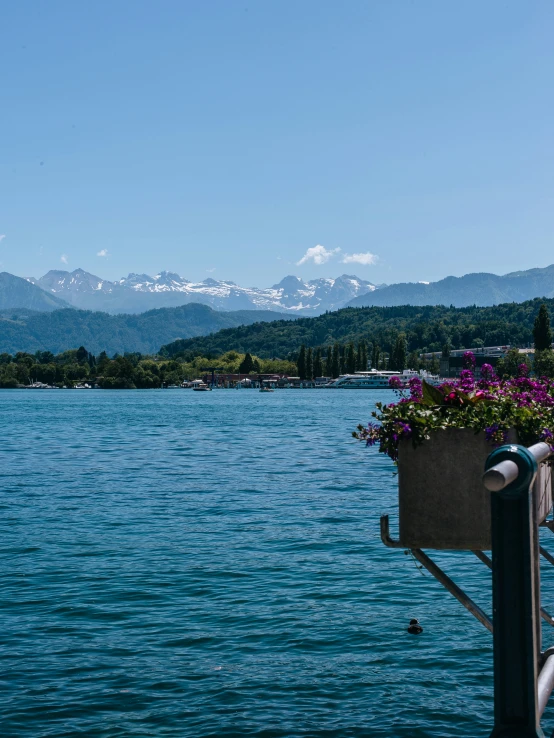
177 563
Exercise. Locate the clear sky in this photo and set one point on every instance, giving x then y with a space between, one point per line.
407 140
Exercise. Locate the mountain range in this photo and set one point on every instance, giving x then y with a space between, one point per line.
138 293
478 288
60 330
19 293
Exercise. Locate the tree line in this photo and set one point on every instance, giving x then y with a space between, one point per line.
176 362
127 371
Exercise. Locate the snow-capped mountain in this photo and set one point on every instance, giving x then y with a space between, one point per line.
139 292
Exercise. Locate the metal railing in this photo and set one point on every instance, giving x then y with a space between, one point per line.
523 673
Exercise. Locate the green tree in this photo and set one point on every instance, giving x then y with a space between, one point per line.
544 363
335 364
350 359
318 364
309 364
362 351
412 362
81 355
302 369
398 354
446 350
434 365
375 356
102 362
246 365
508 365
329 362
542 333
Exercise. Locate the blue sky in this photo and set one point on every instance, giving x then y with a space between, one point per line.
405 140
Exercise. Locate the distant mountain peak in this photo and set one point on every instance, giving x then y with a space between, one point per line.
477 288
19 293
141 292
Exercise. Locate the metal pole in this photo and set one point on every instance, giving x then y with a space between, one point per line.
452 587
516 640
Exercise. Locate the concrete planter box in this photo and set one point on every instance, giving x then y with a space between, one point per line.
442 501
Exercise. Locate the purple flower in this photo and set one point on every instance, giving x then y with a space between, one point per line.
494 434
467 380
404 429
395 382
469 360
523 370
416 389
548 437
371 434
487 372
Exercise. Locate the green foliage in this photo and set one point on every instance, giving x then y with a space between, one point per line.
508 366
309 364
427 329
318 364
301 363
246 366
62 330
488 406
542 334
544 363
124 372
350 359
335 362
397 361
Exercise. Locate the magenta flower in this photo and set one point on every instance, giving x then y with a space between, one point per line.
416 388
487 372
468 360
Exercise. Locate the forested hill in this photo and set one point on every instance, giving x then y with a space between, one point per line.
58 331
426 328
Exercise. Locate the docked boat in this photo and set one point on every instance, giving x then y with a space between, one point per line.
375 379
266 389
198 385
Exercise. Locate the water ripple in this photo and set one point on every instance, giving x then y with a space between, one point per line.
175 565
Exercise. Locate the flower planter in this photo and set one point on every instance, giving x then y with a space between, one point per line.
442 501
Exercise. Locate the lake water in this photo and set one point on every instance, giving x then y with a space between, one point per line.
176 563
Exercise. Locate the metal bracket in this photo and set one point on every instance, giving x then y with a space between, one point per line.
438 573
385 534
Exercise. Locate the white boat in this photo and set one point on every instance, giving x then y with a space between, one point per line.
375 379
198 385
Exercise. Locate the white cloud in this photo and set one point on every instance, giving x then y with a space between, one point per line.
2 236
102 252
210 271
64 259
318 254
366 258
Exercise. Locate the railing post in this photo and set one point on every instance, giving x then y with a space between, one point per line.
516 599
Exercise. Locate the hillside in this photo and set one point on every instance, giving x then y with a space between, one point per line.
25 330
426 328
471 289
21 294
